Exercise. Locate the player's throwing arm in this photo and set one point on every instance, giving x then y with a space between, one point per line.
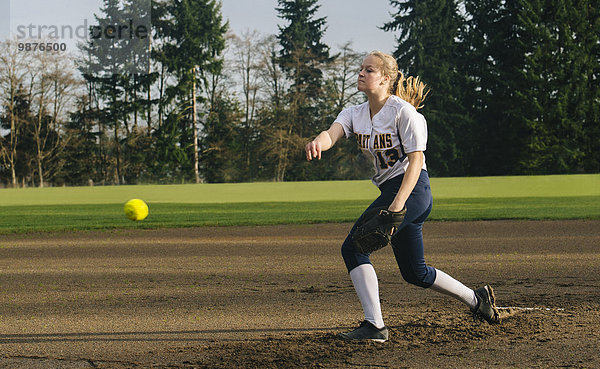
324 141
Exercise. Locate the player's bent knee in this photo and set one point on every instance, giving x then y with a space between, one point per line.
419 283
423 278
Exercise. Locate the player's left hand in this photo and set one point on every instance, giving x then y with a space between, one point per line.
376 228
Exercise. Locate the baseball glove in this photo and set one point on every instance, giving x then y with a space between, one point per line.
376 228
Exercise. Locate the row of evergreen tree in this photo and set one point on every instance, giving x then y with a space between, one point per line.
515 84
514 90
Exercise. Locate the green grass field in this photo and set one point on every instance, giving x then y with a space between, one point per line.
478 198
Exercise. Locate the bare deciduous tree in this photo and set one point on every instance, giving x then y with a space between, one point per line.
270 71
55 88
13 71
342 77
246 62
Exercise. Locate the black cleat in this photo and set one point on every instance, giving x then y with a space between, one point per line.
486 305
367 331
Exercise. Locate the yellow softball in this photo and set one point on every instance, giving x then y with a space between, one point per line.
136 209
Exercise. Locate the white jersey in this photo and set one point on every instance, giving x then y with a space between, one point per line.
397 129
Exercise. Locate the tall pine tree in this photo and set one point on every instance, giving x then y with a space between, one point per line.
589 34
302 56
302 51
493 61
111 65
563 90
427 47
193 33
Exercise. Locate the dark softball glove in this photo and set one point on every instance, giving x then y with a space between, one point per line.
376 228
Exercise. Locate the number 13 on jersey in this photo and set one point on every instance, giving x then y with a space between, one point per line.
387 158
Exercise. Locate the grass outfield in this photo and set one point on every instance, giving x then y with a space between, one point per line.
73 208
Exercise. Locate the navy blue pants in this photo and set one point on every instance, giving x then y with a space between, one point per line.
407 242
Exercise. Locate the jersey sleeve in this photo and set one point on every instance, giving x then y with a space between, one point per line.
345 119
412 128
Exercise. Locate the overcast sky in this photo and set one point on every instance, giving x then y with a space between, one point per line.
347 20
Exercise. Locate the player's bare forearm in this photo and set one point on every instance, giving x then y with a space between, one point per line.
415 164
323 142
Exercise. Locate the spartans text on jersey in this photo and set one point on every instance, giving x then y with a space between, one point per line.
381 141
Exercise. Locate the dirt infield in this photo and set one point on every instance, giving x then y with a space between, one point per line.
275 297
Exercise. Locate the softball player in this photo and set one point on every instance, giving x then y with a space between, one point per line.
391 132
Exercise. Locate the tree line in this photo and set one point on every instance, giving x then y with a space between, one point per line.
514 89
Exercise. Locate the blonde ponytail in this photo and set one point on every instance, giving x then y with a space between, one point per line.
410 89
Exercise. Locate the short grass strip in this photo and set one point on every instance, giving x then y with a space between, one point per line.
443 188
34 218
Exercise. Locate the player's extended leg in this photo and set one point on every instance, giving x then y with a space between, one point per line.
407 242
408 249
481 301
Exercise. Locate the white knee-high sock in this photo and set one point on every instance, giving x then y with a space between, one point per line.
451 287
367 289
